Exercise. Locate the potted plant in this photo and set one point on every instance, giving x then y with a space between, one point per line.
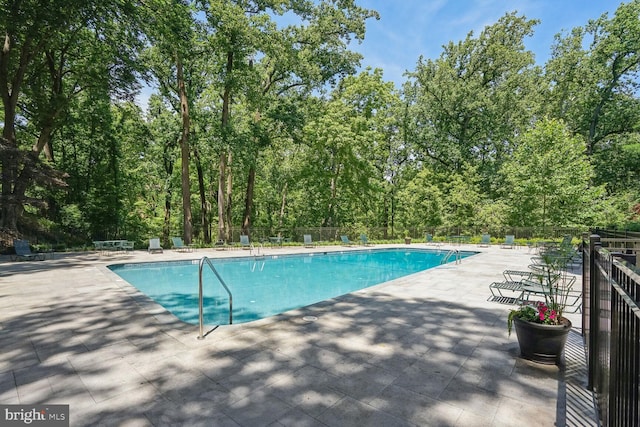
407 237
540 326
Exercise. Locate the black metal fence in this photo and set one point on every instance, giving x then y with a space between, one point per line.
611 325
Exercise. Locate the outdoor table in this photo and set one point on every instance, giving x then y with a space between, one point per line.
459 239
112 245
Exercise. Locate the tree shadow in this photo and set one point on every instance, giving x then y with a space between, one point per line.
368 358
52 262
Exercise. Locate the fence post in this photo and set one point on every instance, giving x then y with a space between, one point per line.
594 309
586 262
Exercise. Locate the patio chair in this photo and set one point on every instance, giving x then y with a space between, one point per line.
512 286
154 246
567 249
485 241
178 245
365 240
308 243
509 242
244 241
23 252
346 241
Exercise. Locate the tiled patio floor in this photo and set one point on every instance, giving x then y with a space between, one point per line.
424 350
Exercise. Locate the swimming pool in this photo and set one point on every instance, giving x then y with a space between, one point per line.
270 285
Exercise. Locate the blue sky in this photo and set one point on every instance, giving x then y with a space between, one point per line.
410 28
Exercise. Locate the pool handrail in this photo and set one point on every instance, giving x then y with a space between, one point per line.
200 297
449 254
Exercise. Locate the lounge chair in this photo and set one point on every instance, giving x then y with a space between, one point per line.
178 245
346 241
308 243
23 252
154 246
567 249
244 241
485 241
512 286
509 242
364 240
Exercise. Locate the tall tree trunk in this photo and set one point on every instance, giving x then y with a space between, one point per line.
283 204
251 183
222 166
329 220
168 168
224 229
9 90
184 148
166 225
385 217
248 200
227 216
204 209
11 80
9 149
9 166
44 142
55 106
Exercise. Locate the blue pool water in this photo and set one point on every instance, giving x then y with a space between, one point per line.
273 284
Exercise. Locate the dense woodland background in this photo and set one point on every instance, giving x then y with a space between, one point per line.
260 123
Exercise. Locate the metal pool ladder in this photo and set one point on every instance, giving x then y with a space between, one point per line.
450 254
200 298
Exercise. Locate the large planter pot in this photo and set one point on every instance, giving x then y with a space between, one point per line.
542 343
407 240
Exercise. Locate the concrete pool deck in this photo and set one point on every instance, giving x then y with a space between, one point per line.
423 350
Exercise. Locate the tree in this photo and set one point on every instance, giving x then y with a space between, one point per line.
375 111
548 178
173 59
159 157
50 54
467 105
595 90
352 149
266 66
422 201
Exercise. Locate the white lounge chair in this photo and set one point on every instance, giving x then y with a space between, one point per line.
485 241
308 243
509 242
154 246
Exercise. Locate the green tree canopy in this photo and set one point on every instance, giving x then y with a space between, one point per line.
549 177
